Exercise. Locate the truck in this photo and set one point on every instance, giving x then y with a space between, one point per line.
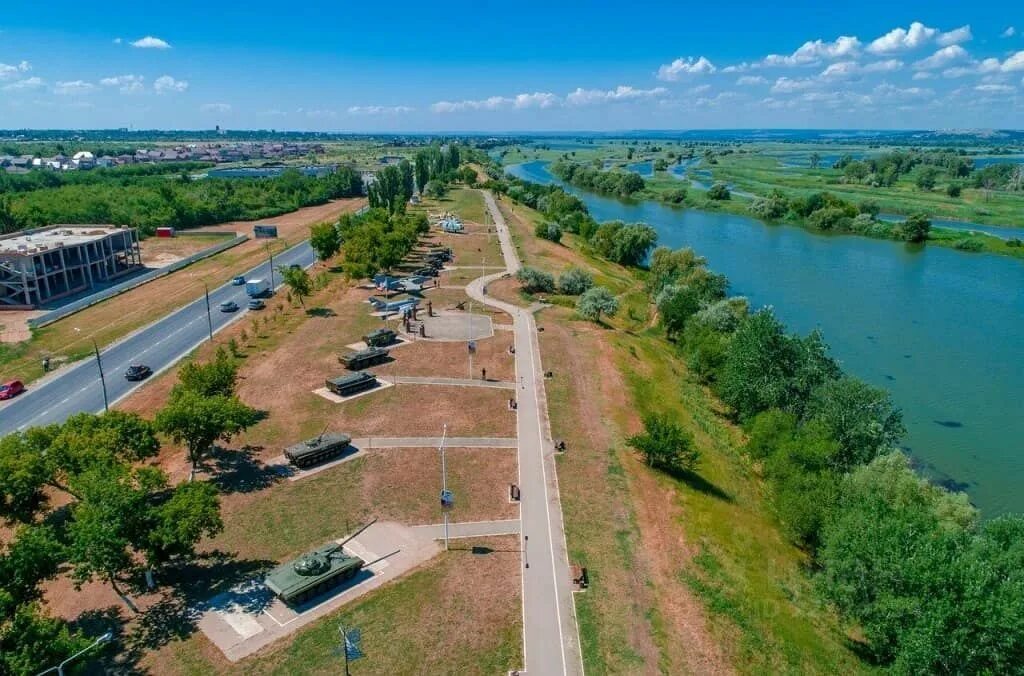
257 288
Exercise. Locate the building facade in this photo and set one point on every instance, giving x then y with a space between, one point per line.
42 265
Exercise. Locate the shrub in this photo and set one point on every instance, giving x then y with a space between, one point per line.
665 444
967 244
536 281
595 302
719 191
953 190
575 282
549 231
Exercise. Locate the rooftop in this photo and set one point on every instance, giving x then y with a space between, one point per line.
55 236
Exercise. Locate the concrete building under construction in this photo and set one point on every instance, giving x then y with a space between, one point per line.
45 264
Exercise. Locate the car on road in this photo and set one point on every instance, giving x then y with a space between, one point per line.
238 281
138 372
229 306
256 304
11 388
295 266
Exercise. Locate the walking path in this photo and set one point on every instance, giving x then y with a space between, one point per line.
464 382
550 637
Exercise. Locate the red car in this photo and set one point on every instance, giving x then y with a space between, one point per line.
11 389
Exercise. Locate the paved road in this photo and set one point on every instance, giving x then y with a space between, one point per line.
159 345
550 636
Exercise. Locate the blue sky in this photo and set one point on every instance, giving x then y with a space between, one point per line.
531 66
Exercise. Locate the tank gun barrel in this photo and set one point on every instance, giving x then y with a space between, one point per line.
381 558
361 529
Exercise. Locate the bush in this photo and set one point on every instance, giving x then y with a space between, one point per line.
595 302
549 231
718 192
536 281
674 196
915 228
967 244
665 445
1014 242
953 190
435 189
575 282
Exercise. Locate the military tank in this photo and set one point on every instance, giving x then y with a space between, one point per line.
357 361
380 337
315 572
317 449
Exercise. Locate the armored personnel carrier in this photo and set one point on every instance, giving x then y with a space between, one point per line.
380 338
317 449
357 361
315 572
345 386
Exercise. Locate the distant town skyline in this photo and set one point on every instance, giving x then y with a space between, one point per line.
529 67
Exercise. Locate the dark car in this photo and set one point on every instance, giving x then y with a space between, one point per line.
256 304
229 306
238 281
138 372
295 266
11 388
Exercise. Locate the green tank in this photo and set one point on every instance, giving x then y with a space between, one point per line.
357 361
313 573
346 386
380 338
317 449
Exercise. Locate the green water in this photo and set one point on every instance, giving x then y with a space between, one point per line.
943 330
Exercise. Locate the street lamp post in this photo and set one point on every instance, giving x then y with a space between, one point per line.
445 495
209 316
103 380
60 667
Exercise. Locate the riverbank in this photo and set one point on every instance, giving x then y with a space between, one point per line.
903 317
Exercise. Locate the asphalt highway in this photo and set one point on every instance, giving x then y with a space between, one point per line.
159 345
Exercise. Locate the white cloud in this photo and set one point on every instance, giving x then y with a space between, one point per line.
688 66
150 42
941 58
887 66
955 36
583 97
813 51
1009 32
902 39
73 87
274 112
924 75
739 68
118 41
534 100
167 84
379 110
27 83
995 88
126 83
785 85
751 80
892 92
8 72
1013 63
215 108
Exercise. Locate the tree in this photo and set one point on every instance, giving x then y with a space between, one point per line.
574 281
298 282
405 168
953 190
535 281
217 377
915 228
325 240
814 161
197 421
33 641
597 301
861 418
421 170
718 192
926 178
665 445
676 304
9 221
549 231
177 525
436 189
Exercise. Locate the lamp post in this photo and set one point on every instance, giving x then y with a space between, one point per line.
209 317
105 638
446 496
103 380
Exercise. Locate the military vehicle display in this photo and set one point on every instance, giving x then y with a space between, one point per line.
380 338
345 386
317 449
315 572
357 361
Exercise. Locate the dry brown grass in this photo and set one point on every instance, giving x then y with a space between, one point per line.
159 252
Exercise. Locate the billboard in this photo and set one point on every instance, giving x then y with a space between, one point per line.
264 231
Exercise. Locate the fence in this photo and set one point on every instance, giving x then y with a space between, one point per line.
134 282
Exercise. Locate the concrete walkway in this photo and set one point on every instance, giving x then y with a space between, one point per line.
463 382
550 635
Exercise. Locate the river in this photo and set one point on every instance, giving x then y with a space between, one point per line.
942 330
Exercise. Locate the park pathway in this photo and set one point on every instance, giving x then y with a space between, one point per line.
550 637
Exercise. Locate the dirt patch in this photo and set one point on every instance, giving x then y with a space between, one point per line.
451 360
14 325
159 252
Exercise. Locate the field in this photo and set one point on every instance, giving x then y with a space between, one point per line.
687 575
71 338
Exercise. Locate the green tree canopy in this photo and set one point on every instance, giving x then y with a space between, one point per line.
198 421
298 281
596 302
665 445
325 240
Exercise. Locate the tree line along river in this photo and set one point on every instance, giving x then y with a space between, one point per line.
943 330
